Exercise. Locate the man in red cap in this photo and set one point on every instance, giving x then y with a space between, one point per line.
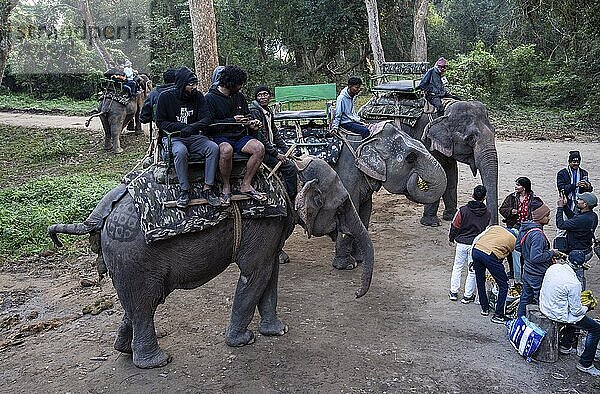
432 84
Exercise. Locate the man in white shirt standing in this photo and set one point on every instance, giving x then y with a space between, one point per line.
560 300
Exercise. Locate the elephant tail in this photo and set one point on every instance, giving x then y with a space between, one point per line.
73 229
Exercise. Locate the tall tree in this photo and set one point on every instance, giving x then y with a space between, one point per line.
204 29
94 39
6 6
418 49
374 36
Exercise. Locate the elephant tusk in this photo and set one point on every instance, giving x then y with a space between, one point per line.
422 184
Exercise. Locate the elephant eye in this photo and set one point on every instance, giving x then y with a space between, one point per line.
411 157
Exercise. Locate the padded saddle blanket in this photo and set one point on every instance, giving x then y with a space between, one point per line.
311 139
159 222
393 105
120 98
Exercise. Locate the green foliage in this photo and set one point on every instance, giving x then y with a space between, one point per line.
63 105
27 210
476 73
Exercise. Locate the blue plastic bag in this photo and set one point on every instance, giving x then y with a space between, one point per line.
524 335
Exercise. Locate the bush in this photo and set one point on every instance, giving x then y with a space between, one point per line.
476 74
26 211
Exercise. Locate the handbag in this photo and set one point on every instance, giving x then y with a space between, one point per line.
524 335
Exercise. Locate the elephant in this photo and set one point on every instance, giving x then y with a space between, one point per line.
145 274
464 134
392 159
115 113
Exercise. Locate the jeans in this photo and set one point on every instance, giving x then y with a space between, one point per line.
531 292
357 128
289 174
460 258
591 341
517 265
196 144
481 262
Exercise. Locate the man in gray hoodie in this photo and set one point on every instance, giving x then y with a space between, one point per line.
345 116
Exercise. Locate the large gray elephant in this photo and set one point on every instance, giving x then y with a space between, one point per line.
392 159
144 274
115 113
464 134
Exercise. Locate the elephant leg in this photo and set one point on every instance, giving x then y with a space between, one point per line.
131 125
343 259
116 135
450 195
267 307
146 352
136 117
124 336
107 134
430 215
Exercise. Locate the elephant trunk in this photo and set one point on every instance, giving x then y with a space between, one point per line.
354 226
487 163
428 181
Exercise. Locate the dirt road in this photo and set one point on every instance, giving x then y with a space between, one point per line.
26 119
403 336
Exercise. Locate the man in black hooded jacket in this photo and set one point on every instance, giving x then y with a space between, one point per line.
183 109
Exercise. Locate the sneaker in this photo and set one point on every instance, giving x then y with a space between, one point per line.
183 200
591 369
485 313
565 350
468 300
499 319
211 197
453 296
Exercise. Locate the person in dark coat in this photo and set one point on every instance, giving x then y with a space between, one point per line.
537 255
275 146
183 109
573 180
238 131
469 221
147 113
580 226
432 84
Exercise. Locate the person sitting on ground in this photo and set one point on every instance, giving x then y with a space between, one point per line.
433 85
516 209
489 249
573 180
469 221
228 105
147 112
537 256
560 300
580 226
275 146
183 109
130 85
345 116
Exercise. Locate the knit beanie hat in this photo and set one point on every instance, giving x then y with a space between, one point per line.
590 199
192 79
574 154
261 88
539 213
576 258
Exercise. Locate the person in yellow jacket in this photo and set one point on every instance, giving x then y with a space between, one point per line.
489 249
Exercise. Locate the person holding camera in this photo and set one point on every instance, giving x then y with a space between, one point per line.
561 301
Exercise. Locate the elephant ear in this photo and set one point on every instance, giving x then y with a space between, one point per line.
308 202
370 162
440 135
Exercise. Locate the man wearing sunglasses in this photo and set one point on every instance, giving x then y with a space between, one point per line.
432 84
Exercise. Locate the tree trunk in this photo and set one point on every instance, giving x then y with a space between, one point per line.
96 43
374 37
418 49
204 30
6 6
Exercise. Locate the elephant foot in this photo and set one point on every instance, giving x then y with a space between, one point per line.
124 338
239 339
283 258
432 221
449 215
108 147
276 328
344 263
155 360
118 150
